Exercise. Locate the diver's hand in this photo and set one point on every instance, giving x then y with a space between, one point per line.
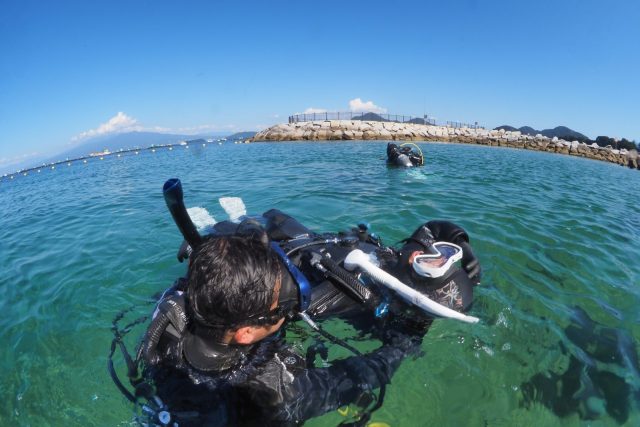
408 343
470 263
185 251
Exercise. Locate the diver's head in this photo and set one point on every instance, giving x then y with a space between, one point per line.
235 284
432 269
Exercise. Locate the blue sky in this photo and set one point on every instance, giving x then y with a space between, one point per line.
73 69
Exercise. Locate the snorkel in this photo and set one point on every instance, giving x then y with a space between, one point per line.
173 196
358 259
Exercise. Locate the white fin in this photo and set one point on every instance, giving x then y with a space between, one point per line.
201 218
234 207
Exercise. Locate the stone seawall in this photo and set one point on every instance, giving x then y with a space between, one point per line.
329 130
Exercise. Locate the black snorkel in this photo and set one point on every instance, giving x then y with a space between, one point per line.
173 196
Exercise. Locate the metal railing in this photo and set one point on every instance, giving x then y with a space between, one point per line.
458 125
376 117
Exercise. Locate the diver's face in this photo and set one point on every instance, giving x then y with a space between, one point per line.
252 334
261 332
246 335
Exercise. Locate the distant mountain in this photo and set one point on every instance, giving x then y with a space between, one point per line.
127 141
111 142
562 132
565 133
528 130
119 141
242 135
370 116
507 128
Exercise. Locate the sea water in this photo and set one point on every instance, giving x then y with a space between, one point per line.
557 237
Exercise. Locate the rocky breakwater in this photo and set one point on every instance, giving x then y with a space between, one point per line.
330 130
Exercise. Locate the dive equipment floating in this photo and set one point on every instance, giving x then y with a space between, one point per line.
358 259
419 151
404 156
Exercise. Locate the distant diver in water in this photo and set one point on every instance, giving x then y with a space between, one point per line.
603 375
404 155
215 351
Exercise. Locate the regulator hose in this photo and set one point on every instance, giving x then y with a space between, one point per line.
346 280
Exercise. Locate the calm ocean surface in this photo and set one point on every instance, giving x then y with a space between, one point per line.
558 238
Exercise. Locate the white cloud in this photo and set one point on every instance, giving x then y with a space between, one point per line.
122 123
312 110
356 105
116 124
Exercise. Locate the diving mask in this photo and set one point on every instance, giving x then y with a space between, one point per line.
437 261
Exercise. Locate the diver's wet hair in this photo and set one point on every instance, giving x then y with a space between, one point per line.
231 279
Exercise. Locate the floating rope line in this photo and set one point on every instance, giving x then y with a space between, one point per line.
84 159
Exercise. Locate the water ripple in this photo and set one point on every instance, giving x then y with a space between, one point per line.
557 237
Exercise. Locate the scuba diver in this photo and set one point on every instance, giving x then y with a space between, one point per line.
215 352
404 155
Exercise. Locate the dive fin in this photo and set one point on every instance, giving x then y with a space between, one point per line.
234 207
202 219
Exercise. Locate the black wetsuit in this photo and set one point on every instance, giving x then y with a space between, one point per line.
270 382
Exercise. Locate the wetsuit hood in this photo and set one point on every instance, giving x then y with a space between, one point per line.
197 343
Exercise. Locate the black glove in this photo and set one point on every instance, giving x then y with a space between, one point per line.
405 331
409 344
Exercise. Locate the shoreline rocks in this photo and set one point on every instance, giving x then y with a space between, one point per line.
348 130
